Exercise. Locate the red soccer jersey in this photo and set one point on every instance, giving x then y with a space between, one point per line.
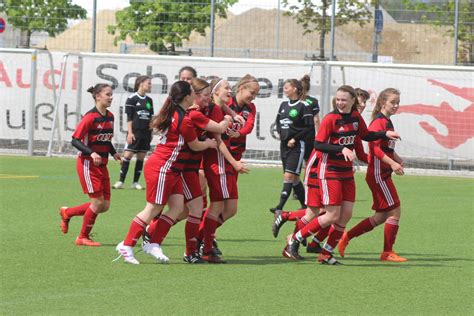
248 112
213 159
96 131
339 129
379 148
200 122
171 150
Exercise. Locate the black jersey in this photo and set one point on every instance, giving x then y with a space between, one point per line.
139 111
294 120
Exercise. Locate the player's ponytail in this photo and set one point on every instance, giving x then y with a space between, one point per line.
179 90
306 84
95 90
381 99
295 83
351 91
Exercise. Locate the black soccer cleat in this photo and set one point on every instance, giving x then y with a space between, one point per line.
215 248
274 209
328 259
293 249
277 224
146 237
193 258
316 248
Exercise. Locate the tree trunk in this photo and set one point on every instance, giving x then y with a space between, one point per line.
25 38
322 36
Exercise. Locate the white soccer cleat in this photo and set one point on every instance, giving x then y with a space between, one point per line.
118 185
127 253
136 186
156 252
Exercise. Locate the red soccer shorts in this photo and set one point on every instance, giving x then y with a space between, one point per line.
160 185
333 192
191 185
313 196
222 186
384 194
95 180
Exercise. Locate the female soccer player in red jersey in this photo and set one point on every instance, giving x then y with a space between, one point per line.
383 160
220 169
362 97
163 170
139 110
191 185
335 142
93 136
294 121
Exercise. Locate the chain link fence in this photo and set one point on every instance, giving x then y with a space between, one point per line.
264 29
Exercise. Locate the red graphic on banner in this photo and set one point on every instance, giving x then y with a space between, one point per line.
458 123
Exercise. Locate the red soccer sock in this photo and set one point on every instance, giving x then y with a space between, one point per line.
87 223
135 231
163 226
308 230
390 234
191 232
322 234
295 215
363 227
78 210
210 226
152 226
201 225
302 222
333 239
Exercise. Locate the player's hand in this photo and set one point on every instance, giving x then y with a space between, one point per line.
348 154
240 167
130 138
291 143
397 168
211 143
193 107
118 158
239 119
96 159
233 133
228 118
392 135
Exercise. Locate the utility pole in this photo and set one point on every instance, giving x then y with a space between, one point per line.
378 26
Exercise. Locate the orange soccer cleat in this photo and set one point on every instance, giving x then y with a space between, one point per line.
85 241
343 242
64 220
391 256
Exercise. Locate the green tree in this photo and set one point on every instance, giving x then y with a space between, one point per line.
164 24
442 14
50 16
315 16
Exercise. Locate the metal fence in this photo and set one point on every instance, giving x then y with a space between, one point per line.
390 33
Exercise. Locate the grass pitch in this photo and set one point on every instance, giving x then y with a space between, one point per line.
43 272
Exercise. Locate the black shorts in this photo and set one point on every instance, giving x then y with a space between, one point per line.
141 144
292 158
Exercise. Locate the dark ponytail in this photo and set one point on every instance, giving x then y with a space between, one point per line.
95 90
306 84
179 90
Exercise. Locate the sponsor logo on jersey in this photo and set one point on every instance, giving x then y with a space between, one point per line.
245 114
355 125
293 113
285 123
346 140
104 137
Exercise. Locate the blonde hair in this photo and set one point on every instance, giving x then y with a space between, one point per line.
244 82
381 99
199 84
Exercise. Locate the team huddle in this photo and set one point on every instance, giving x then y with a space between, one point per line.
201 132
